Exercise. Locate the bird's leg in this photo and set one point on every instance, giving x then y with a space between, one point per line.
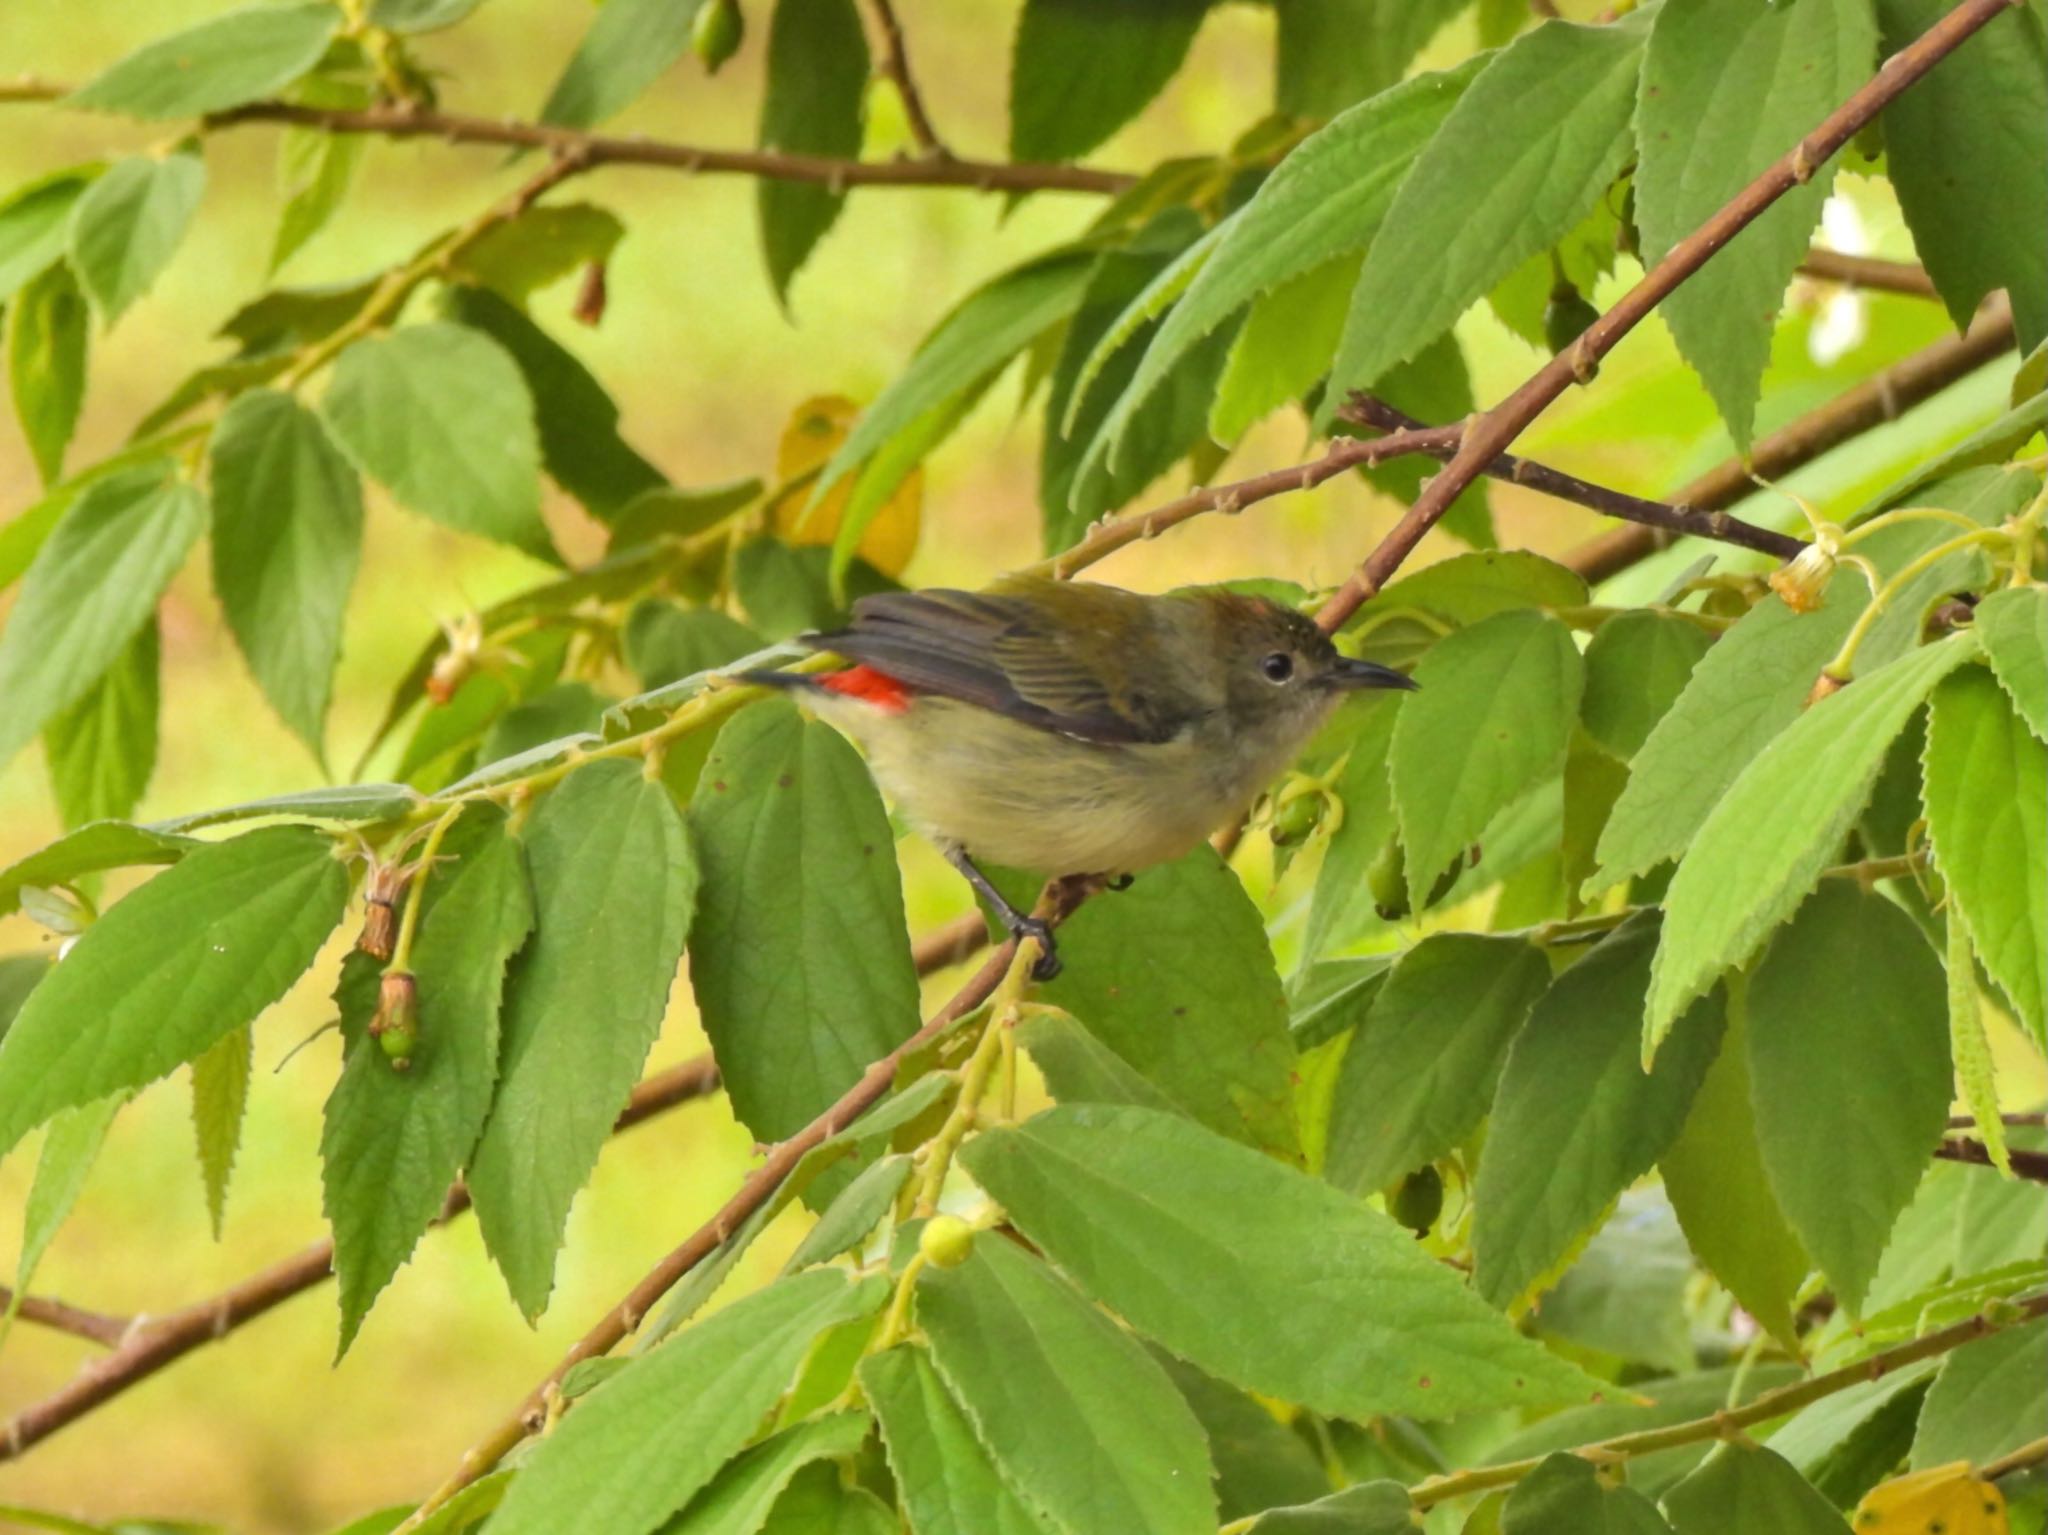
1018 924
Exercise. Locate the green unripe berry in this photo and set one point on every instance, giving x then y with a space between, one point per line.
1418 1200
397 1045
716 33
1295 820
945 1241
1387 879
1566 317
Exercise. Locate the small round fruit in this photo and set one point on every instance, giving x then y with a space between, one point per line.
1419 1199
946 1241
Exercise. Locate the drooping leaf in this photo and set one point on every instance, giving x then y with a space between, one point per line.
1990 1398
1986 786
542 245
440 415
742 1496
850 1218
249 52
819 1502
1261 1463
102 749
1079 1420
1764 845
106 845
316 170
220 1098
801 968
1493 716
1968 157
1234 1261
1726 89
1625 1294
128 224
1714 1175
1636 668
1577 1118
1849 1068
2014 625
817 87
194 954
1745 1489
92 586
614 888
1566 1496
1283 347
1175 977
1342 905
638 1448
394 1140
671 511
944 1477
1420 1072
287 533
1377 1507
1332 53
1525 152
46 347
1081 69
348 803
34 222
1969 1044
1834 1440
630 45
70 1148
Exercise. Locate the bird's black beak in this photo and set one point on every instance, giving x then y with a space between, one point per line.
1350 673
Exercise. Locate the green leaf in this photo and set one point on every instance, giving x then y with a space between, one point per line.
1434 386
1986 786
1828 1442
1764 845
1370 1508
1849 1068
1081 69
1521 157
102 749
220 1097
1493 716
35 221
315 170
943 1475
739 1501
1626 1293
1577 1119
1421 1070
1466 588
194 954
800 963
1283 348
395 1140
665 643
1990 1398
2014 626
1726 90
287 533
70 1148
580 445
535 728
1079 1420
1261 1462
1235 1262
614 887
542 245
630 45
1636 668
1566 1496
643 1444
410 16
105 845
670 511
1714 1175
348 803
1332 53
1745 1489
46 344
1079 1068
819 1502
1967 152
128 223
441 417
1341 907
1326 199
850 1218
93 585
20 974
817 87
974 342
1175 977
1969 1044
251 52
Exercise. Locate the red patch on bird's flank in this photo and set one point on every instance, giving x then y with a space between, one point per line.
880 689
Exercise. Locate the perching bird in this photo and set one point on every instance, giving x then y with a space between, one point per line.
1070 728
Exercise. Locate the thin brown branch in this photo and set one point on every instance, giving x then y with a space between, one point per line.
1492 433
950 942
1883 397
2030 1165
1363 410
895 67
94 1326
1057 903
144 1348
402 120
1871 272
2015 1121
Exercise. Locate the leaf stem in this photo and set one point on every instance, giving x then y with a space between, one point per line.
975 1075
1843 667
415 897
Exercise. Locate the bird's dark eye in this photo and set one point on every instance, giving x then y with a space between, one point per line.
1278 667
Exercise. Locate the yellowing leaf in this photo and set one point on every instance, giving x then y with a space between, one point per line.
816 429
1950 1499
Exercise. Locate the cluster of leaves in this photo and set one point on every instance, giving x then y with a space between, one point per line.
1634 959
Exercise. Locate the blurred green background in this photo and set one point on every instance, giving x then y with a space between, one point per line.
264 1432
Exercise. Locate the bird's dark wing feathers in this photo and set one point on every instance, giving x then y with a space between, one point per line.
989 650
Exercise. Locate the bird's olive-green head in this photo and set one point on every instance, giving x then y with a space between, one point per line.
1279 673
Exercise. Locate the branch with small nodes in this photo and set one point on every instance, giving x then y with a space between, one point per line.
2030 1165
1872 272
1492 433
894 67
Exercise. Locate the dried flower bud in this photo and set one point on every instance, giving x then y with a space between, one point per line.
396 1024
381 895
454 665
1803 581
1823 685
591 296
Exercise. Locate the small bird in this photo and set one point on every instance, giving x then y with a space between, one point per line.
1065 727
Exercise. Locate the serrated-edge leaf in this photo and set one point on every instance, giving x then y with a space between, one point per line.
222 62
46 352
220 1096
630 45
2014 625
128 225
86 850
